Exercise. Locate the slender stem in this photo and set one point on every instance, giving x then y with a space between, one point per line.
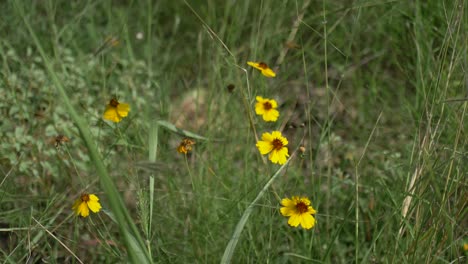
189 172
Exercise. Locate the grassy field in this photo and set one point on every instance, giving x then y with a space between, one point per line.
372 97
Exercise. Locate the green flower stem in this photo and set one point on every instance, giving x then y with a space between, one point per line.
229 251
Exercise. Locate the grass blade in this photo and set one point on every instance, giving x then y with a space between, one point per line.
229 251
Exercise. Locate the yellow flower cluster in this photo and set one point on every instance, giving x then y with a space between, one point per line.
115 112
272 143
298 209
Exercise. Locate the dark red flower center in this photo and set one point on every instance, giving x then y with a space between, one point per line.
114 103
267 106
302 207
262 65
277 143
85 197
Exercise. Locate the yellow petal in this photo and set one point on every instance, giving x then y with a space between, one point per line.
311 210
271 115
286 211
259 109
279 156
295 199
182 149
274 157
93 197
264 147
283 153
307 221
273 103
267 137
287 202
111 114
305 200
268 73
95 206
254 64
123 109
83 209
93 203
294 220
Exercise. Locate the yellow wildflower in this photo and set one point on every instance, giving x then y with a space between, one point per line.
185 146
267 109
116 111
299 211
263 67
275 144
85 203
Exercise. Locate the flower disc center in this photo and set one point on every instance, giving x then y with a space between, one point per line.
302 207
262 65
114 103
84 197
277 144
267 105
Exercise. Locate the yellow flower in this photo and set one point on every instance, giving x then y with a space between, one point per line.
465 246
275 144
263 67
185 146
267 108
116 111
299 211
85 203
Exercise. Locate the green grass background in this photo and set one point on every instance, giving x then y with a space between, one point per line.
375 90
